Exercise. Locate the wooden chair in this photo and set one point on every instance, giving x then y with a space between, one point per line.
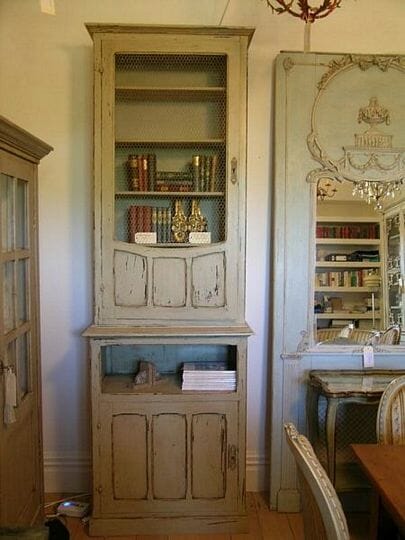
391 413
324 518
327 334
390 336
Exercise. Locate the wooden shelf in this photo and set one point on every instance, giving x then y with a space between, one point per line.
348 315
163 194
169 384
346 289
349 241
164 93
170 143
347 264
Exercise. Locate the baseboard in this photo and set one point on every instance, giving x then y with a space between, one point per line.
70 473
66 472
257 472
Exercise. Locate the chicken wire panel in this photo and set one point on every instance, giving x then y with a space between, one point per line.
170 150
355 424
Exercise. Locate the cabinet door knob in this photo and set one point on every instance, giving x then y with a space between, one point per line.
232 457
234 167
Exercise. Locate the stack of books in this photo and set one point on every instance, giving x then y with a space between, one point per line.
208 376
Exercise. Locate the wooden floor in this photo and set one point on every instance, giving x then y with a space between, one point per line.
264 524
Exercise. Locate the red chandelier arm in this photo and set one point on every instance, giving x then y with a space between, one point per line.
307 13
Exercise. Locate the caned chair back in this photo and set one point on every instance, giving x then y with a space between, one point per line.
390 336
391 413
323 515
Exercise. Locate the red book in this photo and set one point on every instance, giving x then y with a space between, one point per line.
147 219
139 221
132 222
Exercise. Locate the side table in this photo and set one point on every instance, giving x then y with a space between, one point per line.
337 387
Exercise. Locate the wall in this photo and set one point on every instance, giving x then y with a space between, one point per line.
46 87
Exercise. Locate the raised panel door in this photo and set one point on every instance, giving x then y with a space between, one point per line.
170 457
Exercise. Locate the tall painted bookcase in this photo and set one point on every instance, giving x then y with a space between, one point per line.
169 262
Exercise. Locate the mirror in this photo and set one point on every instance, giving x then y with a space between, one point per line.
338 261
358 289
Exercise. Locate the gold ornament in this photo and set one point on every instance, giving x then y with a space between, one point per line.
179 223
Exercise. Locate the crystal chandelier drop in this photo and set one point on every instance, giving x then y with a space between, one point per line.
375 192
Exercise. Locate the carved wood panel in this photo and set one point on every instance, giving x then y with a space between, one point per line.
208 276
208 456
169 456
130 279
169 282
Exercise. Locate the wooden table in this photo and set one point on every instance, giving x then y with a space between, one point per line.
342 386
384 465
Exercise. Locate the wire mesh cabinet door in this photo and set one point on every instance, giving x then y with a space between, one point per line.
170 114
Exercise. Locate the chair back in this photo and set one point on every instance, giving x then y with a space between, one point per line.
390 336
323 514
391 413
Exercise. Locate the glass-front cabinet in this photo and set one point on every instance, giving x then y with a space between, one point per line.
169 339
21 464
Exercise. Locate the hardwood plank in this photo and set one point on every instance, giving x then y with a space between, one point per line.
82 533
273 525
254 525
296 525
154 537
194 537
264 524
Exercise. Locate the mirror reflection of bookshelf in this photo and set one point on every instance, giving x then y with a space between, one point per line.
348 257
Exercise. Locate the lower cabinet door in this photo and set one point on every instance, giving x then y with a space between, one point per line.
169 458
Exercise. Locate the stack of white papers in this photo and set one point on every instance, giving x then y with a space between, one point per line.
208 376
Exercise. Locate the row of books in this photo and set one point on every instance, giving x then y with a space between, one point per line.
346 278
150 219
355 256
142 172
204 171
144 176
212 376
363 230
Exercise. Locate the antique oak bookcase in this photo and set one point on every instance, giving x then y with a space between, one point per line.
169 261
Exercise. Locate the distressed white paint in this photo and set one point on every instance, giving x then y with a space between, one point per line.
49 92
130 279
169 282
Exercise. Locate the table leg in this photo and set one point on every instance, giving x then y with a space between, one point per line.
331 411
312 414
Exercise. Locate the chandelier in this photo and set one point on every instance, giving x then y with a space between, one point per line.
303 10
307 13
